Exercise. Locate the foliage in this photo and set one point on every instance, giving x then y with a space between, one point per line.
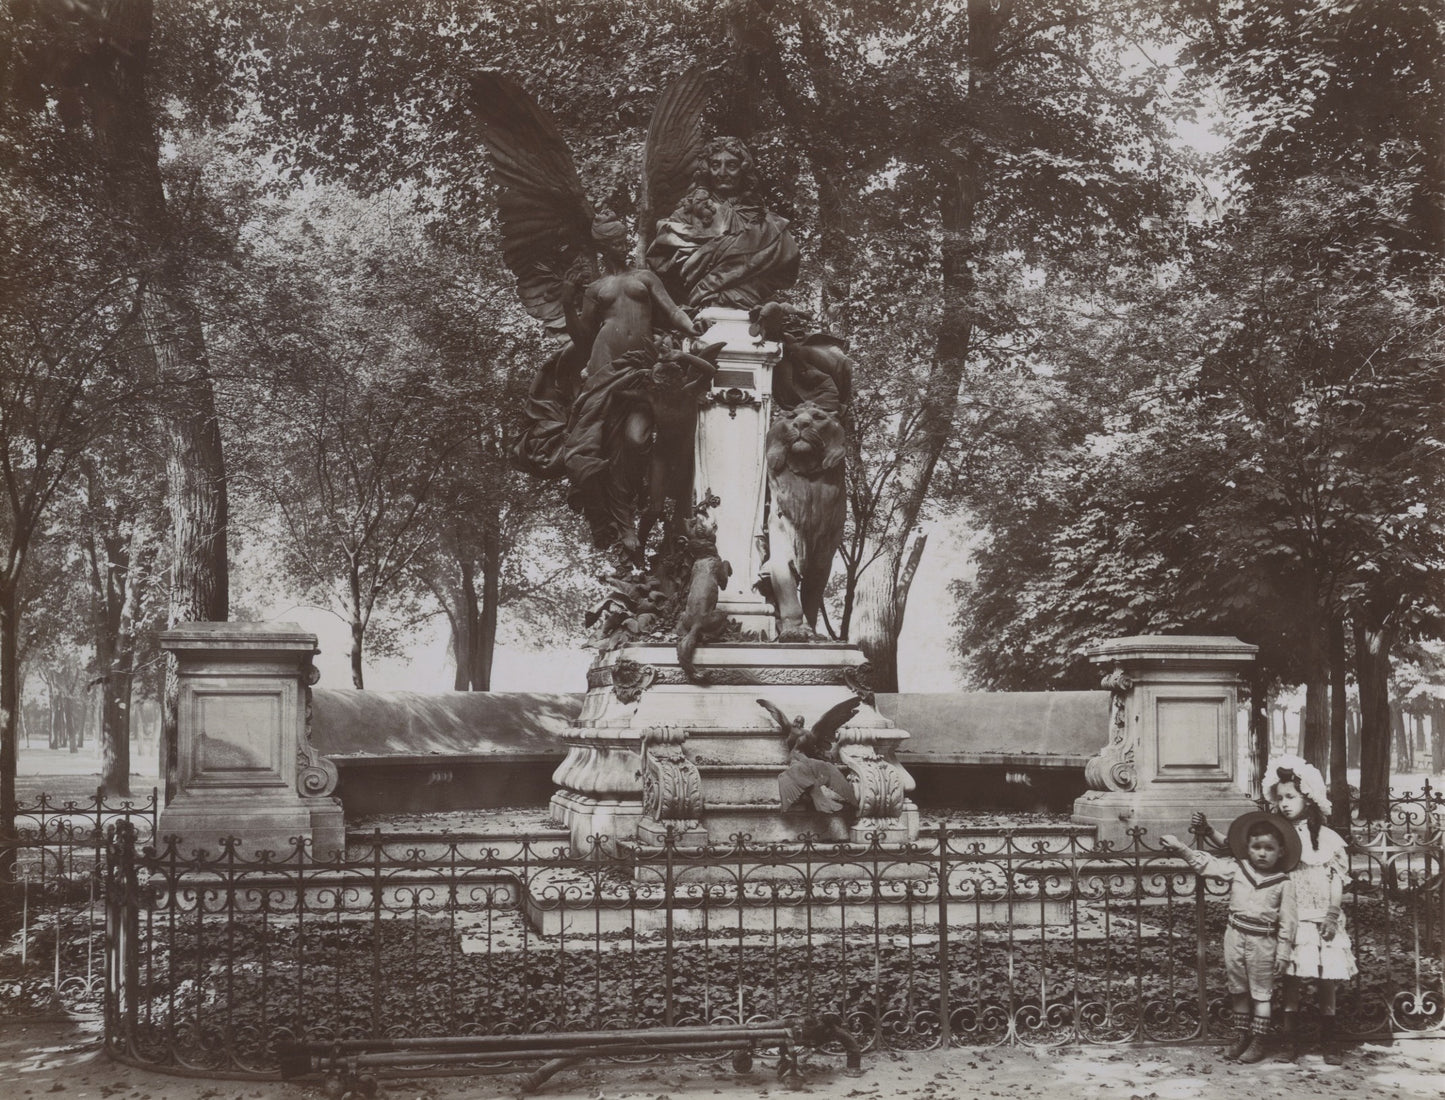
1279 461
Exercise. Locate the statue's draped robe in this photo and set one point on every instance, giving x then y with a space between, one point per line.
604 476
723 252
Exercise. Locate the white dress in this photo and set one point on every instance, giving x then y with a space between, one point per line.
1318 869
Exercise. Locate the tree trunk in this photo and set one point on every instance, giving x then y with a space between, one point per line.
1352 736
1339 705
1315 722
358 635
9 712
882 602
358 624
1259 729
172 351
1437 736
1404 755
116 717
1372 673
485 633
462 619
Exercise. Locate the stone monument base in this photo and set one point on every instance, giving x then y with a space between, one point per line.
260 824
246 767
1114 813
653 750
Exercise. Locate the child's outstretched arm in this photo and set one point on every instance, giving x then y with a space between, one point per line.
1199 862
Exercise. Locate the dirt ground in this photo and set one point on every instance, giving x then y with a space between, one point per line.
41 1058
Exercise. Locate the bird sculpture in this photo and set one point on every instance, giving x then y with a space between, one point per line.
813 774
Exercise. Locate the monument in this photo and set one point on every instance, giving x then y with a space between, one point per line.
246 767
685 399
1173 744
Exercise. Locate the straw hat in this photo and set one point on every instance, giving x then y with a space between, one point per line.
1288 837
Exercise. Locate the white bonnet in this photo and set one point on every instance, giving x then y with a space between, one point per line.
1311 782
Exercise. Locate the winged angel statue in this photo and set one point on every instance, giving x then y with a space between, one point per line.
614 409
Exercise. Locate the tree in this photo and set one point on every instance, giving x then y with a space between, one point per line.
987 130
358 419
118 527
65 303
1338 110
93 61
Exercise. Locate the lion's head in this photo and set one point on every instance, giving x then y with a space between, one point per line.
807 440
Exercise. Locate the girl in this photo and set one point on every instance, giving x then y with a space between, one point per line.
1322 950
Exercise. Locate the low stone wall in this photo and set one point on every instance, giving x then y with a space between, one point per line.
1018 750
408 752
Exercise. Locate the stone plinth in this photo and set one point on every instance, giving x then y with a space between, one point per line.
732 430
246 767
1171 744
651 752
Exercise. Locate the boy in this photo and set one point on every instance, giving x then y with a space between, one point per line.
1262 918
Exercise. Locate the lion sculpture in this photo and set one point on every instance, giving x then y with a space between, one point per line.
805 450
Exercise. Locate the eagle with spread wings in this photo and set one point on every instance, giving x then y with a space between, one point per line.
812 774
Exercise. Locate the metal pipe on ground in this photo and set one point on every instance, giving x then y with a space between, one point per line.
350 1057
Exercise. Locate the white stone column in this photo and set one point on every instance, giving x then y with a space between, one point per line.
732 430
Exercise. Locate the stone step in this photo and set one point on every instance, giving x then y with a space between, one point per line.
763 822
575 905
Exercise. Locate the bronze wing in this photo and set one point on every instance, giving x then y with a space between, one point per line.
545 216
825 729
785 725
674 142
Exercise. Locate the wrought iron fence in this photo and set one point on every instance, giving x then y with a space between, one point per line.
51 916
968 937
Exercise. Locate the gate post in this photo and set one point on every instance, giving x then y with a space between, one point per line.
122 942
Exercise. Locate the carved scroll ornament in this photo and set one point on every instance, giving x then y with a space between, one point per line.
316 776
1113 769
671 784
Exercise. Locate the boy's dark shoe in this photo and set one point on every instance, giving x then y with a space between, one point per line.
1242 1036
1257 1049
1329 1042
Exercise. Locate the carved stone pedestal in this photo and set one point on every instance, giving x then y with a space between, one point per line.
732 429
1172 743
246 767
652 752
